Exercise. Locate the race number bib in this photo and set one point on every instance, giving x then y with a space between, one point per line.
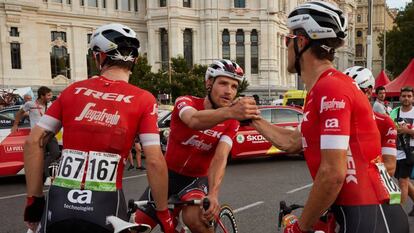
392 188
71 169
102 171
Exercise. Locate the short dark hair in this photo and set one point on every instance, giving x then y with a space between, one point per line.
378 89
43 91
316 49
407 89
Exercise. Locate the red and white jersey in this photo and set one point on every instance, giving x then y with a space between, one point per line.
337 115
388 133
189 152
103 115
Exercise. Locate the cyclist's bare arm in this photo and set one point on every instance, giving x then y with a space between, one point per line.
285 139
390 163
19 116
33 160
326 186
157 175
244 108
215 176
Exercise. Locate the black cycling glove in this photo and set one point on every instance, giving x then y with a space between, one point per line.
34 209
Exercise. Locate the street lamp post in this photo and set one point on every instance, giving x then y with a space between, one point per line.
369 36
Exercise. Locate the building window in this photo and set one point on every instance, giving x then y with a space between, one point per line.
187 3
225 37
68 2
88 38
103 3
359 33
239 3
59 62
82 2
14 31
358 18
240 47
91 65
163 3
254 39
57 1
359 50
116 4
125 5
164 48
15 56
93 3
136 5
188 46
56 35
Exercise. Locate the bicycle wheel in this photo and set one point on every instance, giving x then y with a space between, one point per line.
226 222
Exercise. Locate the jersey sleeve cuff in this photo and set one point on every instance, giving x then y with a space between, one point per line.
389 151
227 140
50 123
149 139
184 109
340 142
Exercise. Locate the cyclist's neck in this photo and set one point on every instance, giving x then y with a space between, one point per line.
312 70
406 108
115 74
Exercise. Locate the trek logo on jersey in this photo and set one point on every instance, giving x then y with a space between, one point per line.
212 133
391 131
104 96
80 196
199 144
331 104
98 116
351 170
332 123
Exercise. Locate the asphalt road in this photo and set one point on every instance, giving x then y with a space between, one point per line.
253 188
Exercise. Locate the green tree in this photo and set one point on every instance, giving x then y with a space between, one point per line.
400 48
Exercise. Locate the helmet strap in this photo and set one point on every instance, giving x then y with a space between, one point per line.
298 54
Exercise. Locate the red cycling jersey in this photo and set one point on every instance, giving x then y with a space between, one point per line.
102 115
388 134
189 152
337 115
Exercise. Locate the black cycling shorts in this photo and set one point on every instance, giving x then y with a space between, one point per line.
383 218
403 170
179 186
69 210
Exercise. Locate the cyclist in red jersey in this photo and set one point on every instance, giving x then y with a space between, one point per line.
366 82
200 141
338 133
101 116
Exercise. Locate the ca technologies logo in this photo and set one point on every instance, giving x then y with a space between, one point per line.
80 196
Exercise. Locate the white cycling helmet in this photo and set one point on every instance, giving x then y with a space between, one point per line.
362 76
319 19
225 68
109 38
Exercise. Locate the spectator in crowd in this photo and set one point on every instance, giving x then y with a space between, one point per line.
380 104
36 109
138 156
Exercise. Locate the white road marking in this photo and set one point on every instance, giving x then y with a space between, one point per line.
300 188
248 206
24 194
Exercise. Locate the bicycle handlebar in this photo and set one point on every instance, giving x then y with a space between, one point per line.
284 210
133 205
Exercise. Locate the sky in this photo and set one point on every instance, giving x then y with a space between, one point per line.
397 3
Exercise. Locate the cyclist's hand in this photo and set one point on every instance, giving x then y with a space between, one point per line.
34 211
214 208
244 108
166 221
294 228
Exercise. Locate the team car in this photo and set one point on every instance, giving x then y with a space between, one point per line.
248 143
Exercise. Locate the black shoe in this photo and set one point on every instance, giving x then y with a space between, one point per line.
131 167
142 168
411 213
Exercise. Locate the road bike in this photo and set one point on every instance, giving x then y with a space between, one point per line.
224 223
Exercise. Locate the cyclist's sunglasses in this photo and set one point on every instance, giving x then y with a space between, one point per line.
289 37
